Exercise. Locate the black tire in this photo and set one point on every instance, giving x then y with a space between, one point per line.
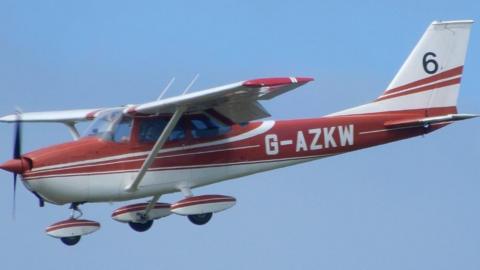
200 219
71 241
141 227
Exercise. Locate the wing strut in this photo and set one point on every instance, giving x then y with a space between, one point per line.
156 148
73 130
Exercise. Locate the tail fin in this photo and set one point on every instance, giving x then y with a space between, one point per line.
430 77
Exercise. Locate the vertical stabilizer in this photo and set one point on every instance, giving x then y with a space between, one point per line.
431 75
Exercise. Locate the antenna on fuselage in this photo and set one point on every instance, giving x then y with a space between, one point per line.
190 84
166 88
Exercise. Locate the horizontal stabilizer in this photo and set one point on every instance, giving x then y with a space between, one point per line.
418 122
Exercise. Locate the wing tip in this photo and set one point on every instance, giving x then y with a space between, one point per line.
276 81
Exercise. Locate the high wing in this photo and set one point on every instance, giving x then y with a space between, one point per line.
237 101
68 116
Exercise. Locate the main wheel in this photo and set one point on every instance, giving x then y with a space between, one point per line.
71 241
141 227
200 219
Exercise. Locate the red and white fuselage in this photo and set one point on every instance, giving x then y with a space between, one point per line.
96 170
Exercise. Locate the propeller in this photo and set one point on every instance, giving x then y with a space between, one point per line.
17 154
18 164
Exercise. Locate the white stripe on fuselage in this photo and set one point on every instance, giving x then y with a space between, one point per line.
177 167
140 159
104 187
264 127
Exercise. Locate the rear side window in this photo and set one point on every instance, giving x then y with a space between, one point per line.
150 130
203 127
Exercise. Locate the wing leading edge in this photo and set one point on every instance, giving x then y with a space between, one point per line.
67 116
237 101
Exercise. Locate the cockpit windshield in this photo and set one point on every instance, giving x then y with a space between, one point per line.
111 125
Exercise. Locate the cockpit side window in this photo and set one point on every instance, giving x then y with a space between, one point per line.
203 126
123 130
150 130
110 125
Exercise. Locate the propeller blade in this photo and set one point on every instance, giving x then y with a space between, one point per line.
17 145
14 203
17 154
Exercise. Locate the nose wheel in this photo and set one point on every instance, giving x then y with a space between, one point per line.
71 241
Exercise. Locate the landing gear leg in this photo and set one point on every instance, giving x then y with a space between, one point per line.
76 212
187 192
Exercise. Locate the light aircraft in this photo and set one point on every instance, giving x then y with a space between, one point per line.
179 143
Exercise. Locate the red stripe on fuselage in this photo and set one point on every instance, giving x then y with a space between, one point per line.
422 89
57 174
440 76
162 162
96 149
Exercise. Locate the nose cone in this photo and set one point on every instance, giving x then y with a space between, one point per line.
16 165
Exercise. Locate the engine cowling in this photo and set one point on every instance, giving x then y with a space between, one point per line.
203 204
133 212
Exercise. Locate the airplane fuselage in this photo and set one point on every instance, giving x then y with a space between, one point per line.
96 170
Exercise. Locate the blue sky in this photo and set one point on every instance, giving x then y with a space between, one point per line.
409 205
